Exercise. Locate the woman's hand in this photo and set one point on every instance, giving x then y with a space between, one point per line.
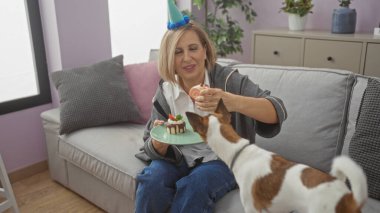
260 109
209 98
160 147
158 123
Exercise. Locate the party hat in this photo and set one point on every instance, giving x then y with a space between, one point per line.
176 19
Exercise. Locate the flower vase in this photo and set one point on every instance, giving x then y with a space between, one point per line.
296 22
343 20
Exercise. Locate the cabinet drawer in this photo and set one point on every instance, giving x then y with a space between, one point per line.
372 62
333 54
274 50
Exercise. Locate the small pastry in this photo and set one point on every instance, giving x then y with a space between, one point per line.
175 125
195 91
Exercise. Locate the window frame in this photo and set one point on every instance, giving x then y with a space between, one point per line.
40 62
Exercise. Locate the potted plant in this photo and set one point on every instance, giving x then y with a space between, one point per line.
297 12
222 28
344 18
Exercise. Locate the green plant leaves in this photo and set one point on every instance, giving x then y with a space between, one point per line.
225 32
198 3
344 3
300 7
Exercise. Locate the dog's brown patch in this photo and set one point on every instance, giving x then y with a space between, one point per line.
266 188
229 133
347 204
311 177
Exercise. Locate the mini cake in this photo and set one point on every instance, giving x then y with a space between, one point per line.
175 125
195 91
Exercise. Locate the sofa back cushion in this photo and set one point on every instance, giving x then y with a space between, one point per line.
356 98
361 150
94 95
364 147
317 103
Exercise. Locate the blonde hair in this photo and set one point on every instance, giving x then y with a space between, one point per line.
168 45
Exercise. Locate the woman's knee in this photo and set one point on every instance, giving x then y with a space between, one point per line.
212 181
193 184
158 173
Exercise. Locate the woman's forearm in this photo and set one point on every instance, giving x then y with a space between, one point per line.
260 109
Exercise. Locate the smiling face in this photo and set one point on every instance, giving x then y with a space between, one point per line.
177 52
190 56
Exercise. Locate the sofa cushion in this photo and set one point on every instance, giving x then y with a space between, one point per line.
371 206
230 203
316 101
356 98
143 81
365 144
106 153
94 95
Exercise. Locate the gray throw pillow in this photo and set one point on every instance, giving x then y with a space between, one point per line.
94 95
365 143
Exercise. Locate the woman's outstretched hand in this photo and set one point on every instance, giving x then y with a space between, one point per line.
209 98
160 147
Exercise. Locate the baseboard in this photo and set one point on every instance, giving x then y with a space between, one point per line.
28 171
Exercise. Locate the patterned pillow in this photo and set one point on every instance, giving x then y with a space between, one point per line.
365 143
94 95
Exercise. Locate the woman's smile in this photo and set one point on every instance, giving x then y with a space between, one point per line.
189 68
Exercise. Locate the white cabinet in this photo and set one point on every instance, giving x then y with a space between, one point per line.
359 53
372 61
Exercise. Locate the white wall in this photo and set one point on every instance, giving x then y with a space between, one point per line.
136 28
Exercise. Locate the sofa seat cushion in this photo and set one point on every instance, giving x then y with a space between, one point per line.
317 104
230 203
371 206
107 153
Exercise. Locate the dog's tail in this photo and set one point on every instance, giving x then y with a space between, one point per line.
344 167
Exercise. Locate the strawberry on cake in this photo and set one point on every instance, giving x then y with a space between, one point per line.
175 125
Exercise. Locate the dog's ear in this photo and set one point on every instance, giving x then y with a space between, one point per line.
195 120
221 109
199 123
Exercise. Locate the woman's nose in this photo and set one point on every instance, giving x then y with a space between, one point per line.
186 56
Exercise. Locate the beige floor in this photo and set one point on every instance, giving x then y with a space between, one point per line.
40 194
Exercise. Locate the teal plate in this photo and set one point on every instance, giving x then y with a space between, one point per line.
159 133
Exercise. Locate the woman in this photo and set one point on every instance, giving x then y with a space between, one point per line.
191 178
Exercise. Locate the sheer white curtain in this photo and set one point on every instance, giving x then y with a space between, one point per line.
17 73
136 27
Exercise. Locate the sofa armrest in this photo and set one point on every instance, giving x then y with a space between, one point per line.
51 116
57 166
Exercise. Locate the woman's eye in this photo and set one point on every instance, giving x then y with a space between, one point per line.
178 51
193 48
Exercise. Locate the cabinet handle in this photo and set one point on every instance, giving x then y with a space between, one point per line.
275 52
330 58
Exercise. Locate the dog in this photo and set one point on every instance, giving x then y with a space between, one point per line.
270 183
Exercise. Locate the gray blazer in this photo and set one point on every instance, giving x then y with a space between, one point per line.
230 80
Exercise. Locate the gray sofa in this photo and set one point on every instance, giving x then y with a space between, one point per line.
99 163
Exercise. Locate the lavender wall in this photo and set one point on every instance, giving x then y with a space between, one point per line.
76 33
368 16
21 138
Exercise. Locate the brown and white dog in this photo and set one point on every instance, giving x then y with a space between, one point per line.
270 183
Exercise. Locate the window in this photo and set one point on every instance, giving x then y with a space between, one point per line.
24 81
136 28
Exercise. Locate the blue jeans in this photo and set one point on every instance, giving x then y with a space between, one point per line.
163 185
